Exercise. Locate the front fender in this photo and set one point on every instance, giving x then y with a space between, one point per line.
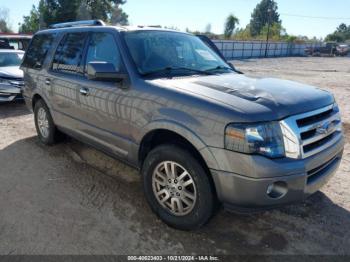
186 133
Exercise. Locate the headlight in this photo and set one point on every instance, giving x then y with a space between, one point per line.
17 83
4 81
261 138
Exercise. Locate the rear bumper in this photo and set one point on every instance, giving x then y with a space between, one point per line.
249 191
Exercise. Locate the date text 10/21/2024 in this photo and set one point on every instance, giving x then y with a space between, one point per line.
173 258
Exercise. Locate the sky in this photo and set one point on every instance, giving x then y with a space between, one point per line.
197 14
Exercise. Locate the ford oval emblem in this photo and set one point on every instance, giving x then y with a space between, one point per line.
325 128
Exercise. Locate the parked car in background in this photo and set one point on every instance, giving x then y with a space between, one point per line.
14 41
328 49
11 76
342 50
165 103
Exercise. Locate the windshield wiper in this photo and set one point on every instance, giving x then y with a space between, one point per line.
170 69
219 68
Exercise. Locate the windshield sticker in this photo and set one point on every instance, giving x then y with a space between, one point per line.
206 55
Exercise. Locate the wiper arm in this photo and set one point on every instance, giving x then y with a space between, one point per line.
219 68
171 69
225 68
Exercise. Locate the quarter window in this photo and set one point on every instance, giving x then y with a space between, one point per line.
103 48
38 50
69 53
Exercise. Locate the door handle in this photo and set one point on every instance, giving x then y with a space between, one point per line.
84 91
47 81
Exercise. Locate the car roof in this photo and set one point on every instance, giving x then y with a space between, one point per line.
11 51
117 28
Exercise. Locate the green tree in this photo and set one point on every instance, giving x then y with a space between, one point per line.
242 34
57 11
341 34
118 16
277 32
4 21
265 12
31 22
230 25
83 12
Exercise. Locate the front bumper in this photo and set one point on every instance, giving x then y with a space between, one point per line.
9 93
242 183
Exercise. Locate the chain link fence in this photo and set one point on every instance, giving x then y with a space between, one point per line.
255 49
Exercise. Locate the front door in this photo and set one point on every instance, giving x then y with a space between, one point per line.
104 106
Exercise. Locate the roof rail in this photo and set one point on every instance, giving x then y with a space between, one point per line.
78 23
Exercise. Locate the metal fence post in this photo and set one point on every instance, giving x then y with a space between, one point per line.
242 49
233 50
252 43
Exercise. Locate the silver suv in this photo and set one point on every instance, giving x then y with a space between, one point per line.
168 104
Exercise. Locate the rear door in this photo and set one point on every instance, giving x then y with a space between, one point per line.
63 79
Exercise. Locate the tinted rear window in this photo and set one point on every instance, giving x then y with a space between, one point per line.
38 50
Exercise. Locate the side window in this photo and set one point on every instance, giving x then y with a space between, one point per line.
69 53
14 44
37 50
103 48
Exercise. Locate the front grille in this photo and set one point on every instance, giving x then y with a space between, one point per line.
315 118
312 146
310 133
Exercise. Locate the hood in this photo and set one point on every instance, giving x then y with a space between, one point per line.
11 72
255 99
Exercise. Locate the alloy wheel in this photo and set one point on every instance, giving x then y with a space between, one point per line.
43 122
174 188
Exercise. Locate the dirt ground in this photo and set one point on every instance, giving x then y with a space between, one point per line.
52 202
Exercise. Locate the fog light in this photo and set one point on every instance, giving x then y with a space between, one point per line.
277 190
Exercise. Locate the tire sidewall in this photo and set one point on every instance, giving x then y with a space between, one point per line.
50 139
203 208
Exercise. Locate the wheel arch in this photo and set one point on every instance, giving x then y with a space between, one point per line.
35 99
166 132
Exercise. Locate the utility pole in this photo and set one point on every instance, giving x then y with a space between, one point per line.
268 30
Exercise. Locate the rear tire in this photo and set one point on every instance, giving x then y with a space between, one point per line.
177 187
48 133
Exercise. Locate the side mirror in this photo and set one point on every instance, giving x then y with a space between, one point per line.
103 71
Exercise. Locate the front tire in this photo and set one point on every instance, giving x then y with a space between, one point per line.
45 127
177 187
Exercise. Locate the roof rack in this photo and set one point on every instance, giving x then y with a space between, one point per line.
78 23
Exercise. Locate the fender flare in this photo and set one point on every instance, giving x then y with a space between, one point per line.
187 134
43 97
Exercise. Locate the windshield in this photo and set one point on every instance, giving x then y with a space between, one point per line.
154 51
10 59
